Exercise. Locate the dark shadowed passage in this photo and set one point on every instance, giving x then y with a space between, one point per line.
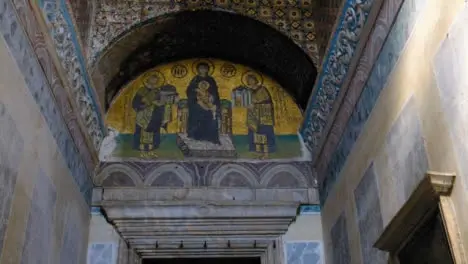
202 261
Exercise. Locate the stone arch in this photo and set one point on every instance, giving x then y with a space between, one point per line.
233 170
184 35
279 171
170 175
100 43
117 172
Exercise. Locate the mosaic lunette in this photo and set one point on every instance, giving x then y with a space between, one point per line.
204 108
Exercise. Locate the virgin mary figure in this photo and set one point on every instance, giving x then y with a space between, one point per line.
204 107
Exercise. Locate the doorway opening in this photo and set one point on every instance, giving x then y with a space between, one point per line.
202 261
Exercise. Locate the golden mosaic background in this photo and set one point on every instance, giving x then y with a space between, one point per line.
288 116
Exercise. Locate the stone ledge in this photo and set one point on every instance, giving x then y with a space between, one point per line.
203 195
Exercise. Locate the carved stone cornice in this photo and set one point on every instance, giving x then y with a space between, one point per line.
431 194
195 228
441 183
72 61
335 67
204 194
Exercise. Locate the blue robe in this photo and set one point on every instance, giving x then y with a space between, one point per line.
200 123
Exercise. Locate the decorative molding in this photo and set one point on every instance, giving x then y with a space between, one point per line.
211 173
194 194
220 174
188 229
335 67
120 168
68 49
26 44
373 46
334 156
424 200
289 170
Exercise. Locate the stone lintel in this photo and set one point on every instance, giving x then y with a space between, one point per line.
204 194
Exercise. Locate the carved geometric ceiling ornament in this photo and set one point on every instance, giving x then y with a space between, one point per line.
292 18
335 67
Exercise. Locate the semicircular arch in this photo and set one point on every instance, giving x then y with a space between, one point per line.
288 170
229 169
110 170
184 35
172 169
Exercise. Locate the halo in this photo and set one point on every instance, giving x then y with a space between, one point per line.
256 74
198 61
158 74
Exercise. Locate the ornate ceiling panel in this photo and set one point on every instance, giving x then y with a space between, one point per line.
205 33
294 18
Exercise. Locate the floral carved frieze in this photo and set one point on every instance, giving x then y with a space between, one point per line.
71 58
335 67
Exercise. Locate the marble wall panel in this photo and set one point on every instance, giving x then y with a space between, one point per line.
339 242
405 158
39 86
102 253
38 245
377 80
304 252
369 218
450 67
73 237
11 148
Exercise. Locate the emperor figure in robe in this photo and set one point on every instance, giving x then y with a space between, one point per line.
260 119
152 108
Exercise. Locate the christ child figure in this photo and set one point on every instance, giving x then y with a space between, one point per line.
204 98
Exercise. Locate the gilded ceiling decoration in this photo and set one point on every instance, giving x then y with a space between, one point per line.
293 18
